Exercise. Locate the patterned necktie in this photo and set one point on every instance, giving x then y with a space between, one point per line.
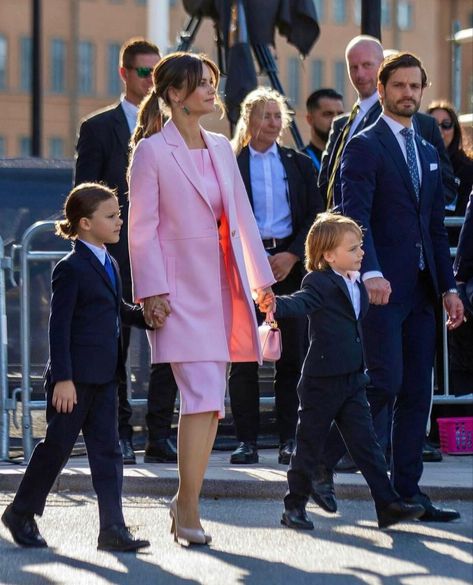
339 152
408 134
111 273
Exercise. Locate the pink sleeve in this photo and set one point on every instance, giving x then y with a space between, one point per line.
146 257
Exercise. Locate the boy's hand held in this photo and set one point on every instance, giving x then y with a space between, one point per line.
64 396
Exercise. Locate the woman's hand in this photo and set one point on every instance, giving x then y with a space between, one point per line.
265 299
155 310
64 396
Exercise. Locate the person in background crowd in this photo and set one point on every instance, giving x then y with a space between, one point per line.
391 185
195 253
282 188
103 155
322 106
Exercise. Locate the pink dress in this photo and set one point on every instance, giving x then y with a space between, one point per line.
202 384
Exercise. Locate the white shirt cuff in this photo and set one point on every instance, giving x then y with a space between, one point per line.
371 274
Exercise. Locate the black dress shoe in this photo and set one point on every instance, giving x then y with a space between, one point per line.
322 489
119 538
129 457
431 454
346 465
398 512
244 454
160 451
285 451
23 528
297 518
432 513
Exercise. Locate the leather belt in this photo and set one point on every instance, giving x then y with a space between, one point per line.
271 243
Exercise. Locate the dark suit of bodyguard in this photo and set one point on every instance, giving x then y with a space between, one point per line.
304 203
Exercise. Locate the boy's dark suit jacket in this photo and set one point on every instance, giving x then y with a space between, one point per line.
83 342
334 331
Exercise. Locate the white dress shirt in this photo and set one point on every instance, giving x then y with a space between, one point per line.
131 113
352 282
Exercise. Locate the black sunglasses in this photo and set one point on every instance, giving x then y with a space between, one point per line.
446 124
142 72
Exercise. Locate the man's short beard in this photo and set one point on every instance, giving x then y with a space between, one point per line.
322 135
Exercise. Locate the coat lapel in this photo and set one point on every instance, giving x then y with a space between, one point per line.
84 251
183 158
338 280
392 146
244 166
121 128
425 165
218 162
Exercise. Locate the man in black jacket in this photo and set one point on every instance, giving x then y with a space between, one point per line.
282 187
102 155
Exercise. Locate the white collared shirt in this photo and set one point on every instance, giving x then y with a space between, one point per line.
99 252
270 193
365 106
131 113
353 289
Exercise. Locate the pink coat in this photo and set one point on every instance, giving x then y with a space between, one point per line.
174 250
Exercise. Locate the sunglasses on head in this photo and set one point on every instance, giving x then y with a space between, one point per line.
142 72
446 124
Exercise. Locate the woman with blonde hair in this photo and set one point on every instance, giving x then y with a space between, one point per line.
196 256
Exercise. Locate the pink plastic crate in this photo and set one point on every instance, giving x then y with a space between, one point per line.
456 435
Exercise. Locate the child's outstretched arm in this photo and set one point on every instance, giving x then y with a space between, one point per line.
64 396
302 302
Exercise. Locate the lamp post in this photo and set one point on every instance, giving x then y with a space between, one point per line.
36 93
371 18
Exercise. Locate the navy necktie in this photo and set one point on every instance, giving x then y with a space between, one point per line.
408 134
111 273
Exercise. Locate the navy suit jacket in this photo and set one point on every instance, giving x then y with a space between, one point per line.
378 193
83 342
304 197
464 260
425 125
334 330
102 154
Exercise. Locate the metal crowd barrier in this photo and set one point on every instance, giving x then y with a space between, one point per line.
27 255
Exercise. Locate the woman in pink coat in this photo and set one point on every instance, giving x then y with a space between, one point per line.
196 258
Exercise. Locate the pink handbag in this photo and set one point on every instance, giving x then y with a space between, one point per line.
270 338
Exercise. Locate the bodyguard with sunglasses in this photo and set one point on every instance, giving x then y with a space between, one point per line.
102 155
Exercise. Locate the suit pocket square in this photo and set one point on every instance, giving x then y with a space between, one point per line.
433 166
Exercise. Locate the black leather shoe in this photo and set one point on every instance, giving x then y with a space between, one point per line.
160 451
323 490
127 452
398 512
23 528
244 454
346 465
431 454
432 513
285 451
119 538
297 519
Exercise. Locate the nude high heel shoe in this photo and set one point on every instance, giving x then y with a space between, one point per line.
192 535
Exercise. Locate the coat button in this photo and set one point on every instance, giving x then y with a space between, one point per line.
357 340
233 233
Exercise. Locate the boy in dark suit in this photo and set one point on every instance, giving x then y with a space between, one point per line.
81 377
332 385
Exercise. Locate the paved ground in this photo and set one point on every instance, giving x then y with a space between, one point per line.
249 547
450 479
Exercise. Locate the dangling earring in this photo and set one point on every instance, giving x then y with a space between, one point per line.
186 110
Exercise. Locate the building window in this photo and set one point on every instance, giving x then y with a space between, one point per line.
293 80
86 81
144 2
339 76
318 74
3 146
56 147
25 63
320 9
3 62
58 66
404 15
357 12
340 11
113 77
25 146
386 13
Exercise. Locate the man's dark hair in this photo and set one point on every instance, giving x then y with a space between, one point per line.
136 46
313 100
400 61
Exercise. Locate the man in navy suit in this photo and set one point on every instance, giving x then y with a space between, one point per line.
364 55
102 155
391 185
